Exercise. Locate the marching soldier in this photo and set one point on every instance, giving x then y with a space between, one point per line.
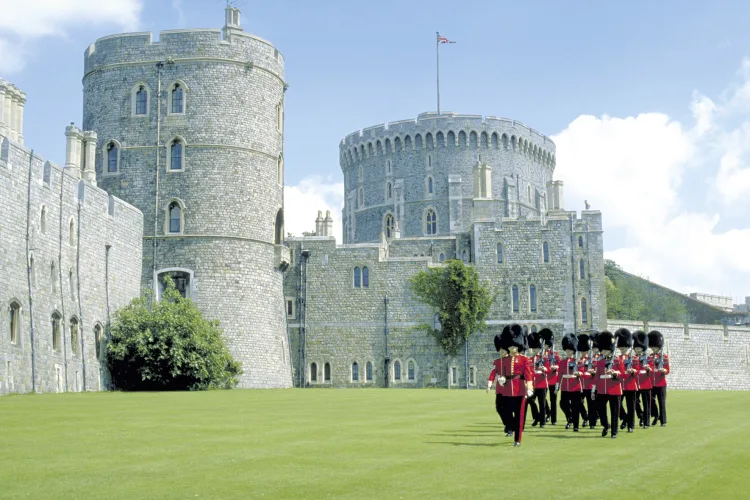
588 413
570 381
658 377
645 368
629 379
494 374
608 389
553 360
541 369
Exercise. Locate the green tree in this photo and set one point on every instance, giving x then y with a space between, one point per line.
461 300
168 345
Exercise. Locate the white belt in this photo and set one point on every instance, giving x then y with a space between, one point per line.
605 376
642 371
539 372
568 376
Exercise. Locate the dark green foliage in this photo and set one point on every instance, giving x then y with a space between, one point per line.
168 345
461 300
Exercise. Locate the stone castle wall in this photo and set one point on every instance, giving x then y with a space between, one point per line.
82 277
230 187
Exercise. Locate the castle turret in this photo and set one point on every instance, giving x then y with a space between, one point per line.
73 143
88 165
197 143
328 224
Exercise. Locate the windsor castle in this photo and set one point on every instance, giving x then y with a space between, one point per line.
181 144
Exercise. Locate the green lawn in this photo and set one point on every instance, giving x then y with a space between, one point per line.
396 443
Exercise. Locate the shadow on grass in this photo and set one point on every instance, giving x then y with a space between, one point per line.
454 443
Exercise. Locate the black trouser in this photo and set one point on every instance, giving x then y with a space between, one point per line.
614 410
591 416
644 396
659 394
514 407
500 409
552 409
628 398
571 402
540 413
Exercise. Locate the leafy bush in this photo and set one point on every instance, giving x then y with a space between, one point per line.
168 345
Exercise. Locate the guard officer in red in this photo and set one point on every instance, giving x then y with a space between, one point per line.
609 370
658 377
585 364
629 379
553 360
499 400
570 381
645 368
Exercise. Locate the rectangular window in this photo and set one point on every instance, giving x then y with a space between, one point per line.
545 251
472 375
365 277
515 299
581 269
290 308
584 312
355 372
141 98
499 253
532 298
368 372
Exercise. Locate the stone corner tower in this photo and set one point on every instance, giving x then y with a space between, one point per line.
190 131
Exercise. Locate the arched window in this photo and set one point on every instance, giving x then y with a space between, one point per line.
581 269
357 277
74 335
515 298
43 220
532 298
278 227
388 191
176 155
15 322
280 117
72 232
441 258
327 372
280 170
545 251
177 99
584 311
368 372
429 185
580 241
436 322
410 369
499 253
175 218
56 331
365 277
462 139
431 222
141 100
389 221
113 158
313 372
355 372
98 339
397 370
451 138
533 329
81 191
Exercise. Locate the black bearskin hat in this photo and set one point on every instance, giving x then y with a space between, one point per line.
518 337
584 343
535 341
498 343
606 341
640 339
570 341
655 339
624 337
594 340
548 337
506 338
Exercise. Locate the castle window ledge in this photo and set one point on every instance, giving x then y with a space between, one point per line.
281 256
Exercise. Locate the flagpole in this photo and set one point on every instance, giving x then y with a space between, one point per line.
437 56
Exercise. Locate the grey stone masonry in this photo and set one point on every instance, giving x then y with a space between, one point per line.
190 131
71 256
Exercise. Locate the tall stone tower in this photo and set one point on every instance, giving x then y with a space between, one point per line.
190 130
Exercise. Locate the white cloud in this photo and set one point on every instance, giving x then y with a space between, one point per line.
633 169
23 22
302 202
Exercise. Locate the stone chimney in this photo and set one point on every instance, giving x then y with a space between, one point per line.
73 142
328 224
555 195
319 224
12 102
232 21
89 156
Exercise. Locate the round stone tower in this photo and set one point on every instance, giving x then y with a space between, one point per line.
190 130
438 173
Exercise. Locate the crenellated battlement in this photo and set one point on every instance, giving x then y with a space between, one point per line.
431 130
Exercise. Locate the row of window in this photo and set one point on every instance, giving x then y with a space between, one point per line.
355 375
57 331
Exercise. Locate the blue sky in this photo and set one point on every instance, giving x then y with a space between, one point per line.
647 101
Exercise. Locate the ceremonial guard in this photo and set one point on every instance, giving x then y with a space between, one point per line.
629 379
609 370
658 377
585 362
645 369
553 360
499 400
541 369
570 381
514 375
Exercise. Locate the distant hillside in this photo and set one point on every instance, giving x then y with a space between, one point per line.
630 297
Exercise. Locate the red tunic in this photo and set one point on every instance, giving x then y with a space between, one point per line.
610 384
630 380
540 375
657 378
587 380
552 377
644 374
568 381
516 370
